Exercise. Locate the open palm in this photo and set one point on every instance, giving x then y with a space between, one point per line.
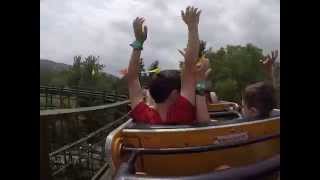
140 32
268 60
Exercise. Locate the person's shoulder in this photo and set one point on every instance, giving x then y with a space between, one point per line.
183 100
182 112
139 108
144 114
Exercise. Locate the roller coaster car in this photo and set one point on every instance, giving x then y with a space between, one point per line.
249 148
224 110
223 106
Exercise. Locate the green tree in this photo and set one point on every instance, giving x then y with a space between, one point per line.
60 79
87 73
233 68
277 81
75 72
227 90
90 70
47 77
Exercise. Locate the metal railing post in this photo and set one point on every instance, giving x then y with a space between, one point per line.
46 98
45 172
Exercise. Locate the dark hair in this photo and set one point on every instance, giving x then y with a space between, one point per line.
261 96
162 84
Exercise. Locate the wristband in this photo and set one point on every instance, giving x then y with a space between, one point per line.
137 45
200 88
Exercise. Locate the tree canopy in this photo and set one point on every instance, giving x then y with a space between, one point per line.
85 73
233 68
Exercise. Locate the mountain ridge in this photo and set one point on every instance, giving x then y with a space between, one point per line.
50 65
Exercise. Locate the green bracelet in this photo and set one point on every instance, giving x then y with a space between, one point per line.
137 45
200 88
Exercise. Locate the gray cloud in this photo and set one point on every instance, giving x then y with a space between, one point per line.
104 28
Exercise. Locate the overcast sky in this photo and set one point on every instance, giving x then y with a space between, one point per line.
104 28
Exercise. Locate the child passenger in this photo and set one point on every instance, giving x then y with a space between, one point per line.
174 96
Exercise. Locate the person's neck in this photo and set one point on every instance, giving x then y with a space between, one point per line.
162 109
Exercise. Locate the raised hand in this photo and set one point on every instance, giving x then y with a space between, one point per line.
140 32
188 79
183 53
124 72
268 61
202 69
191 16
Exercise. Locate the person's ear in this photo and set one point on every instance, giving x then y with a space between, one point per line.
174 93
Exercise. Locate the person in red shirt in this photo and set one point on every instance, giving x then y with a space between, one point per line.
174 95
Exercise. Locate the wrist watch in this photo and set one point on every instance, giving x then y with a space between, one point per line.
200 88
137 45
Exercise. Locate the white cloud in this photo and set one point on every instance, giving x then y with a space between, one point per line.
103 28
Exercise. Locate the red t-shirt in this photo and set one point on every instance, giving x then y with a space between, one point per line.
181 112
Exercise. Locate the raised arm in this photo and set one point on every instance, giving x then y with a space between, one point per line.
135 90
267 63
202 113
188 84
202 71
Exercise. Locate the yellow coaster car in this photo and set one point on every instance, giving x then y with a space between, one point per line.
223 106
248 148
224 110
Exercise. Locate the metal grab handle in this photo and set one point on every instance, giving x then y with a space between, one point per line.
233 107
225 113
126 169
252 171
198 149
